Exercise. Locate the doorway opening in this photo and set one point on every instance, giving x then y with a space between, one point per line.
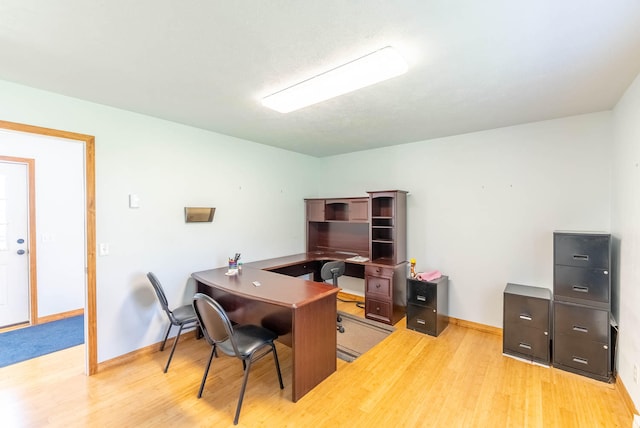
88 141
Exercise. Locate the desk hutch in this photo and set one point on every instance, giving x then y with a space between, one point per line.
374 227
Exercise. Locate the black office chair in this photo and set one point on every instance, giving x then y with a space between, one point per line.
247 342
183 316
331 271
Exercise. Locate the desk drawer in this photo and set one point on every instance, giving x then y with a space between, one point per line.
378 285
378 310
386 272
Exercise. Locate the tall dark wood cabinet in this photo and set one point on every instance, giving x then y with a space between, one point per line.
582 290
388 226
428 305
385 280
527 323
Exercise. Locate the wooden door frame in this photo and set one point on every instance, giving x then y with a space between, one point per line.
90 232
31 189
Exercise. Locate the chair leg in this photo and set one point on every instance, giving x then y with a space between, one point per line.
275 358
206 371
242 389
165 337
173 348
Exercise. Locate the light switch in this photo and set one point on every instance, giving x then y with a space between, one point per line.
134 201
103 249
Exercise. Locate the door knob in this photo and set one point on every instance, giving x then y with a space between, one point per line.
21 252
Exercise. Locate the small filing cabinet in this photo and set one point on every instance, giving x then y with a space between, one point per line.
428 305
526 329
582 290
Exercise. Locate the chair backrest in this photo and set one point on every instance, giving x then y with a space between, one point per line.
160 293
332 270
216 325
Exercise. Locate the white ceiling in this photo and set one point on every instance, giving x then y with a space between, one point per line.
474 65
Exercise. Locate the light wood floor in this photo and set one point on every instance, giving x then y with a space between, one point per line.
459 379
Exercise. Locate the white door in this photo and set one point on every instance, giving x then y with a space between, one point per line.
14 257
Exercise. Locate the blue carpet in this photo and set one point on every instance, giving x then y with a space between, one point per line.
30 342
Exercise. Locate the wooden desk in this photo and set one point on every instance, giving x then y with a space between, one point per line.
303 314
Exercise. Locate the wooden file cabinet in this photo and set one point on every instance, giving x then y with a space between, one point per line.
384 293
428 305
527 323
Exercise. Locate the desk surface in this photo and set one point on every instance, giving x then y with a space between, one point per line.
279 262
276 289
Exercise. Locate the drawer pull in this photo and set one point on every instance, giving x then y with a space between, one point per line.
525 317
580 329
580 360
377 285
525 346
584 257
419 321
421 298
580 289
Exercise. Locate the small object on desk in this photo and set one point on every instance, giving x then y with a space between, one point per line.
231 272
358 259
413 267
256 283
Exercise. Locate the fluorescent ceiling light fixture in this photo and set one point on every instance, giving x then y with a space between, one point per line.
372 68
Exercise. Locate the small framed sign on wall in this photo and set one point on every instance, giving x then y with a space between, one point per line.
198 214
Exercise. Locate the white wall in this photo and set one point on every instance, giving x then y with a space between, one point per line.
60 212
258 193
626 227
482 207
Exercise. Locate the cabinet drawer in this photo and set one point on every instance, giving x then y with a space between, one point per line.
527 342
378 285
583 323
421 318
581 250
581 283
378 310
378 271
421 293
583 355
526 311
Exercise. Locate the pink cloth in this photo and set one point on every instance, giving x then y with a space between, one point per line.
429 275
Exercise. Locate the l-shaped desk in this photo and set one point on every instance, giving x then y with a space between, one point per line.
303 313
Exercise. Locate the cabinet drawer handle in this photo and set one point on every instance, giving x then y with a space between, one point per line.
580 289
419 321
377 285
584 257
525 317
421 298
580 360
525 346
580 329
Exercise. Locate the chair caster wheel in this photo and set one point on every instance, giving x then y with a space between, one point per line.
339 318
341 329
